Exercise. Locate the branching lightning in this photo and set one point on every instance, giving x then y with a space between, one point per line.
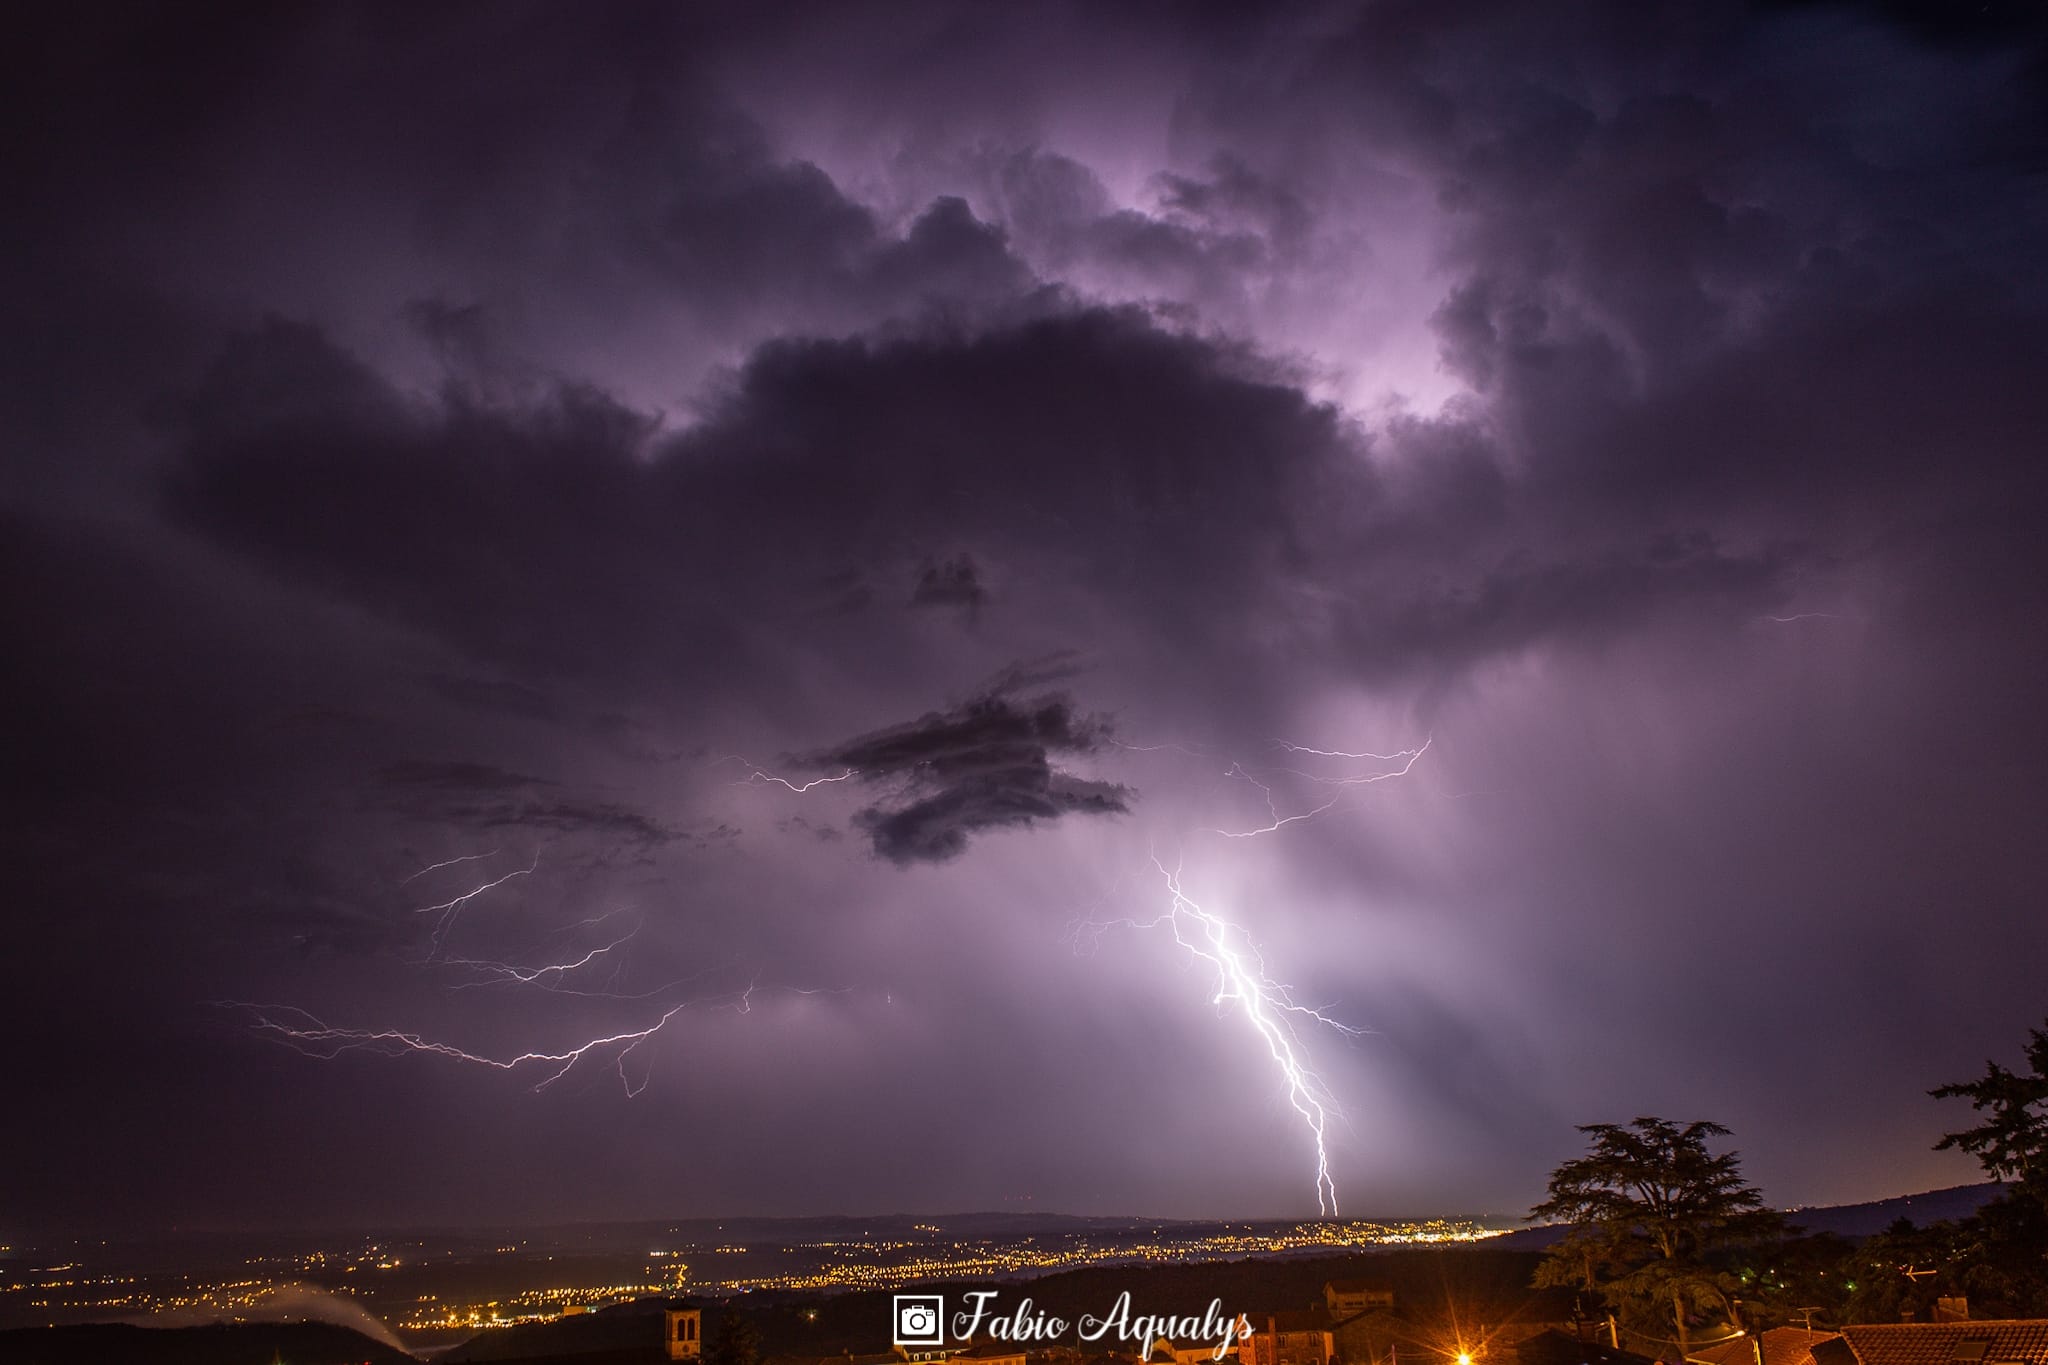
449 910
1397 756
304 1032
307 1033
449 862
1242 981
1268 1006
547 976
759 776
1403 759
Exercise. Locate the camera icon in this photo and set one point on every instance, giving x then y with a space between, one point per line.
920 1320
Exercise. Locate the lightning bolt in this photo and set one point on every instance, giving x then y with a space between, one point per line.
306 1033
1405 759
1394 757
548 976
450 862
1242 980
450 910
759 776
1268 1006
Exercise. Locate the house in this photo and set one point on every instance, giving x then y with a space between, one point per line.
1778 1346
1382 1338
1302 1337
1348 1298
2009 1341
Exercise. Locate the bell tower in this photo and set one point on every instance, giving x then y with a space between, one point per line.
685 1339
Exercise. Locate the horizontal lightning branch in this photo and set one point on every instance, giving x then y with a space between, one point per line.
758 776
306 1033
1402 763
450 910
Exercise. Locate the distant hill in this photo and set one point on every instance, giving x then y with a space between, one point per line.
1843 1220
222 1343
1861 1220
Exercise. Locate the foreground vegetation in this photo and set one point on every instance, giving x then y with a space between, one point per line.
1669 1241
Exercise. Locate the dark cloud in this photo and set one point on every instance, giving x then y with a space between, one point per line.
485 797
608 819
455 777
983 765
493 694
954 582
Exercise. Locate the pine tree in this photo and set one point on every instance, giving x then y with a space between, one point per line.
1649 1204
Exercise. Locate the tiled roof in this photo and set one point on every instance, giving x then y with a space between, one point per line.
1782 1346
1358 1287
1996 1342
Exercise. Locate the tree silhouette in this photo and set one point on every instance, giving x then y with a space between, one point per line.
2012 1143
734 1341
1648 1204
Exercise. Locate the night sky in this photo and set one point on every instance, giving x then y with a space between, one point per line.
520 433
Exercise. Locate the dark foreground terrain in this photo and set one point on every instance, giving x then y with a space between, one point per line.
240 1343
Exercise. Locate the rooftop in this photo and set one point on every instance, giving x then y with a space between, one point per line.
1782 1346
2010 1341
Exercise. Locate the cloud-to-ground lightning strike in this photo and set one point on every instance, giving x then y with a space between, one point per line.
1242 979
1241 976
1268 1006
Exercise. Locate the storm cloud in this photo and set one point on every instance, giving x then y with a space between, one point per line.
448 442
984 764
